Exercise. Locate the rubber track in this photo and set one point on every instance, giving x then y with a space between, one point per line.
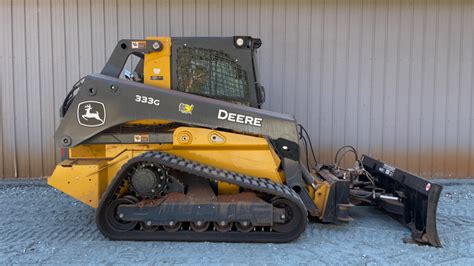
253 183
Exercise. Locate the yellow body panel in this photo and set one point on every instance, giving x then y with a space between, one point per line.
157 73
235 152
91 168
157 65
320 196
83 180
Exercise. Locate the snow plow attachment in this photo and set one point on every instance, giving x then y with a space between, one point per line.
414 201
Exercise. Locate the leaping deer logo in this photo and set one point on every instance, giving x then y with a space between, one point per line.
89 114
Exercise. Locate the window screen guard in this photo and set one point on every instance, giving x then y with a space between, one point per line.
211 73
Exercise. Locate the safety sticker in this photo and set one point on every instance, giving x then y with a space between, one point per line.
141 138
138 44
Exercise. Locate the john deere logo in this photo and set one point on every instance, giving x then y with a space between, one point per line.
186 108
91 114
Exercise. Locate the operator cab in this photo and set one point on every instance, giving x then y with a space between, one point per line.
223 68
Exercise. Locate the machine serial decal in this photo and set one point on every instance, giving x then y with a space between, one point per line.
186 108
147 100
91 114
239 118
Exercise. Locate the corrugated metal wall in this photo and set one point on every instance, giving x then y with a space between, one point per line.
393 78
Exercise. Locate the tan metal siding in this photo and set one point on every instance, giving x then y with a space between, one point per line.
393 78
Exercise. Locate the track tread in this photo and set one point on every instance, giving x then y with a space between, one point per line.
262 185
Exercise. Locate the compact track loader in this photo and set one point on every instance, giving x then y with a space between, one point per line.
179 149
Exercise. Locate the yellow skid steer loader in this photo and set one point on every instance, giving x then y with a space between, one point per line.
179 149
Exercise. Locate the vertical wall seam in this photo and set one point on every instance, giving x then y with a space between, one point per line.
321 80
435 83
53 66
446 116
130 27
2 77
247 17
397 83
222 11
169 17
143 20
346 83
195 18
26 94
233 26
298 84
156 19
105 32
423 61
116 16
40 92
384 79
272 48
182 18
310 56
374 23
15 144
78 43
359 70
233 17
471 118
284 58
461 54
65 46
260 21
91 38
333 81
410 79
208 19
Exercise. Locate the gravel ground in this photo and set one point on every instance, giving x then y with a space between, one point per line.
41 225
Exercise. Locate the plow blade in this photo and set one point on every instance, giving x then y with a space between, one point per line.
417 199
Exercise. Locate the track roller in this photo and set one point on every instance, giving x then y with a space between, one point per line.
244 227
172 227
223 226
199 226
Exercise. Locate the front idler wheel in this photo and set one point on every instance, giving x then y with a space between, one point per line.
291 216
114 219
